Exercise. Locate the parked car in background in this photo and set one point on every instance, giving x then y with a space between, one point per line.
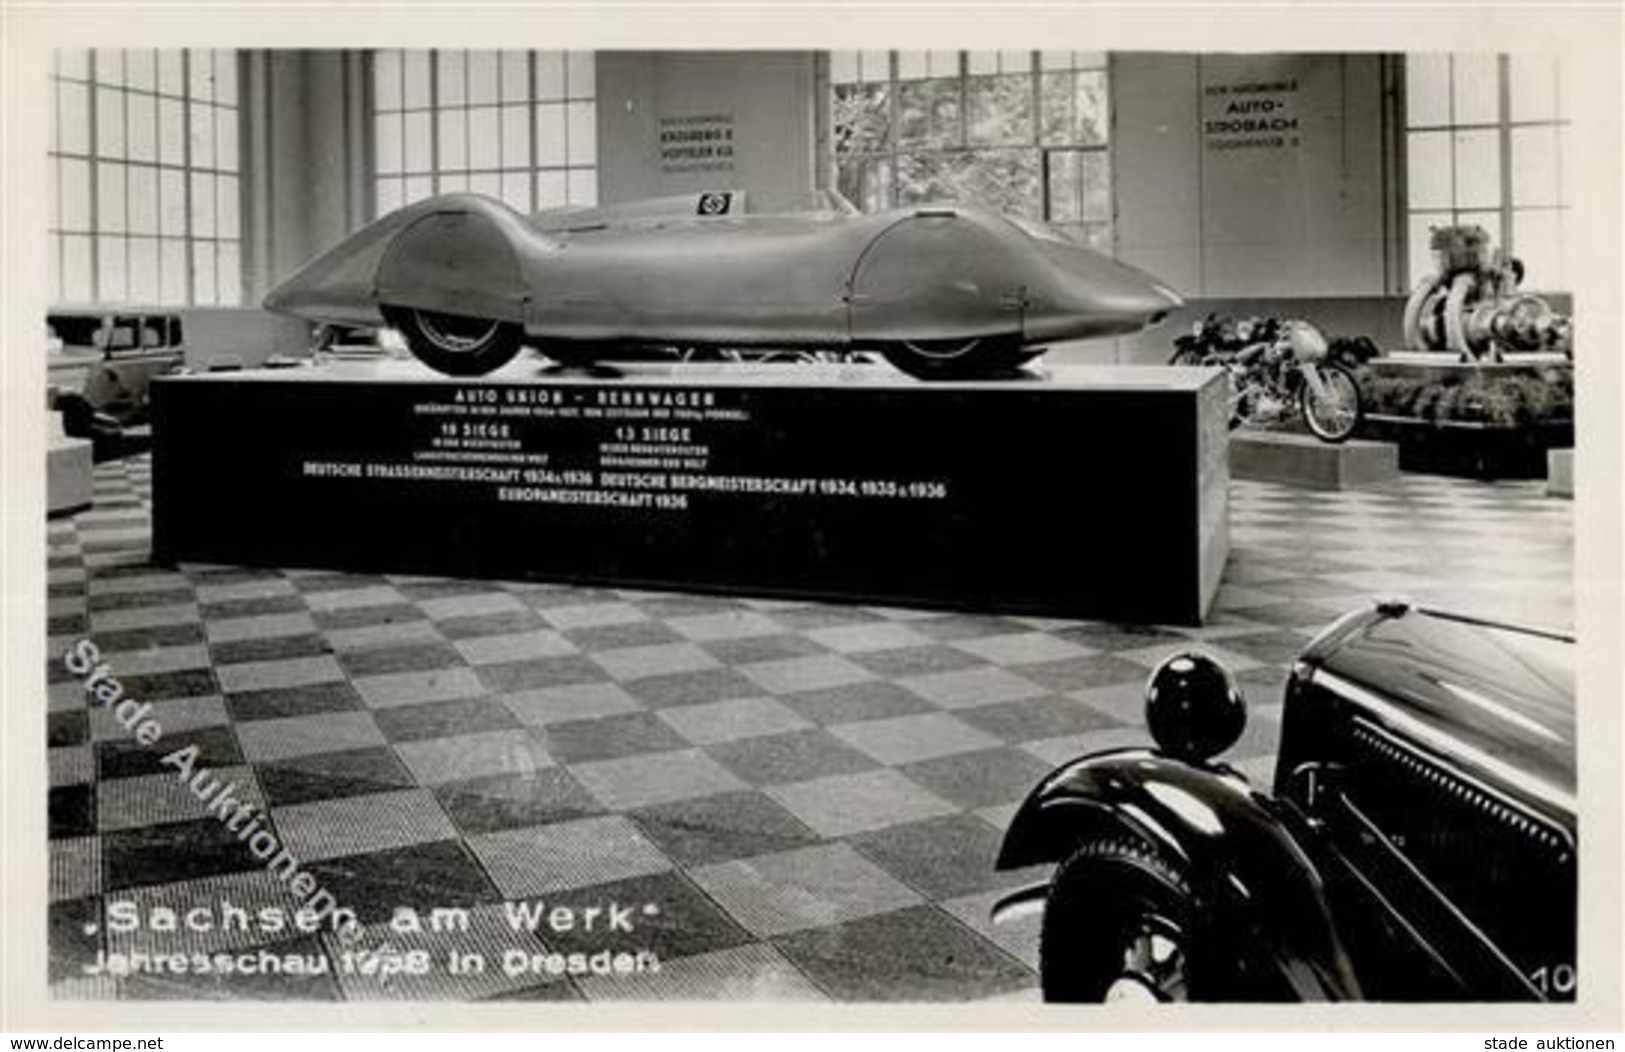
109 355
1419 841
99 362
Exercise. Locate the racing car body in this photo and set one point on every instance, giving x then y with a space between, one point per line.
938 290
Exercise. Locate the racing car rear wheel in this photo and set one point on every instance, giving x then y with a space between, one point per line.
1117 927
457 344
973 356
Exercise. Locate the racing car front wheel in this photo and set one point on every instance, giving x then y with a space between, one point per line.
457 344
959 359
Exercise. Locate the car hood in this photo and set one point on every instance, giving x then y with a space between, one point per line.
1504 694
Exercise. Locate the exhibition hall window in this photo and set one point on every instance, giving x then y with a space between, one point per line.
516 125
1487 143
1020 132
144 188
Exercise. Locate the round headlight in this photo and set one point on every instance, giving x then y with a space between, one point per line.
1193 707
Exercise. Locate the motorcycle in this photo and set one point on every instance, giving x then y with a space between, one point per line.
1278 370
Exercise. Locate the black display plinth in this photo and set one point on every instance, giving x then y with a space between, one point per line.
1484 420
1084 491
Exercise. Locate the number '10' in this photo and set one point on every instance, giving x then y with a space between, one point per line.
1554 978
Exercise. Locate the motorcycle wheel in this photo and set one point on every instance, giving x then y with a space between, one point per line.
1332 419
456 344
1117 928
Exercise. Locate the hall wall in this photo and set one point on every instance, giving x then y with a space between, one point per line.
1232 215
765 99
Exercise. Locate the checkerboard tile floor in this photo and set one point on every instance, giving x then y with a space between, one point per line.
810 794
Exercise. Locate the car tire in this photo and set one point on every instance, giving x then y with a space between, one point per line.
1118 926
971 358
456 344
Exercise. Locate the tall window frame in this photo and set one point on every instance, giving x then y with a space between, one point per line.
1486 143
1023 132
516 125
145 177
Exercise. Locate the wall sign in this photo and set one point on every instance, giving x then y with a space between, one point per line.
697 143
1250 113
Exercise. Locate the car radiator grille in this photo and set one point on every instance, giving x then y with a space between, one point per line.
1509 871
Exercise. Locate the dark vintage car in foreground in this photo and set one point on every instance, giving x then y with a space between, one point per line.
1419 843
939 291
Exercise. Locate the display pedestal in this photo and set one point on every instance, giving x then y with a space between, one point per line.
1447 367
69 482
1560 473
1491 420
1081 491
1304 460
1470 448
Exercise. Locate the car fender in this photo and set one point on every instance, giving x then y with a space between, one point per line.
459 260
455 252
938 273
1251 878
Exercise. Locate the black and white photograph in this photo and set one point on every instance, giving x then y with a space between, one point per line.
1027 526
